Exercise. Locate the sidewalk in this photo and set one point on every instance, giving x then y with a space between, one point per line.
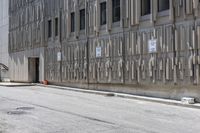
12 84
130 96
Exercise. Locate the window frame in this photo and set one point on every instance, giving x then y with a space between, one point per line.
103 11
49 28
82 19
144 10
116 9
72 26
164 8
56 28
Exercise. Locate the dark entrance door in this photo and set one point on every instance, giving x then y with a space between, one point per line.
34 71
37 72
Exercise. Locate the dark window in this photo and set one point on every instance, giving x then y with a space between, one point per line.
103 13
116 10
82 19
49 28
72 22
163 5
56 26
145 7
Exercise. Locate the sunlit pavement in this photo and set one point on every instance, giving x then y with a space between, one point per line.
35 109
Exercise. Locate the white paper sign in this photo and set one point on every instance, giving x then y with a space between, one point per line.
152 46
98 51
59 56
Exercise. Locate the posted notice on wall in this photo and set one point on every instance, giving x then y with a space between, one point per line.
98 52
59 56
152 46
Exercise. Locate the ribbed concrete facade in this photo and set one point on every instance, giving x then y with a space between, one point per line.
4 24
145 47
26 39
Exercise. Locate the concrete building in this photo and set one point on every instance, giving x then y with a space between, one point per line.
26 40
4 26
144 47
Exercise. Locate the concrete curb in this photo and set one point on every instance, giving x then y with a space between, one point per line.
8 84
129 96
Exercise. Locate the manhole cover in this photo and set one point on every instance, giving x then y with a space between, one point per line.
16 112
25 108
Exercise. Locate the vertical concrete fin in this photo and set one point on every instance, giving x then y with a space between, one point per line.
188 5
137 11
132 12
122 18
127 15
198 36
195 4
77 18
97 16
171 10
109 15
194 39
154 10
176 40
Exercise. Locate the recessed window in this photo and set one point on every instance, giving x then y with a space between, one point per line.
163 5
49 28
103 13
56 26
82 19
116 10
145 7
72 22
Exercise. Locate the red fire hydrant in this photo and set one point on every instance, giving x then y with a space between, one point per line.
45 82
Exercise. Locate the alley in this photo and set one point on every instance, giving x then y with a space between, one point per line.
35 109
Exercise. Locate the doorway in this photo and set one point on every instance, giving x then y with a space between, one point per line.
37 73
34 70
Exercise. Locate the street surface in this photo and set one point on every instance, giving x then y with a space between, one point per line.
37 109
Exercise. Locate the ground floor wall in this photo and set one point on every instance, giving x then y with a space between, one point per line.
21 65
125 62
159 91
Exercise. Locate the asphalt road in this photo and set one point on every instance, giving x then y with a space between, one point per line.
45 110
